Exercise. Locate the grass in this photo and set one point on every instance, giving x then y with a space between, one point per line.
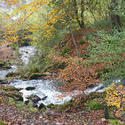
115 122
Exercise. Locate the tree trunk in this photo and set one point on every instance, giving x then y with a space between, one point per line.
72 36
115 19
74 42
80 21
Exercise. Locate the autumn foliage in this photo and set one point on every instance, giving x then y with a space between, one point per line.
116 97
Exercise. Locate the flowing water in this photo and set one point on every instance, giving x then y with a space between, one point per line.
3 73
45 90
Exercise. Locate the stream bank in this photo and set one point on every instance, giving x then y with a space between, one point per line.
42 93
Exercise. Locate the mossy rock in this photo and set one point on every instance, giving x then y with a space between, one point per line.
11 74
16 96
2 63
5 65
10 88
51 106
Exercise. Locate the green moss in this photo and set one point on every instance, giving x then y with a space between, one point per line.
115 122
2 123
65 51
65 106
11 101
15 96
82 42
94 105
12 74
51 106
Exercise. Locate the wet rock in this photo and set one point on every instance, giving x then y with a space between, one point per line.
3 82
2 64
26 102
34 99
44 98
41 106
11 74
36 76
30 88
16 96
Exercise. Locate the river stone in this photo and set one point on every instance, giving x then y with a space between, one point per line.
44 98
2 64
30 88
36 76
34 99
41 106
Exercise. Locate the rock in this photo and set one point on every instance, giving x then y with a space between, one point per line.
44 98
30 88
36 76
2 64
16 96
10 74
35 99
41 106
3 82
26 102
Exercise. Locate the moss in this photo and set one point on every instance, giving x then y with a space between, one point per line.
94 105
115 122
82 42
64 106
2 123
10 88
17 97
51 106
65 51
11 101
12 74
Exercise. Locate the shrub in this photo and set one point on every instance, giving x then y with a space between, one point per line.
115 96
108 47
82 42
94 105
65 51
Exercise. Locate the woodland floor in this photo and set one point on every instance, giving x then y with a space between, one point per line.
11 115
